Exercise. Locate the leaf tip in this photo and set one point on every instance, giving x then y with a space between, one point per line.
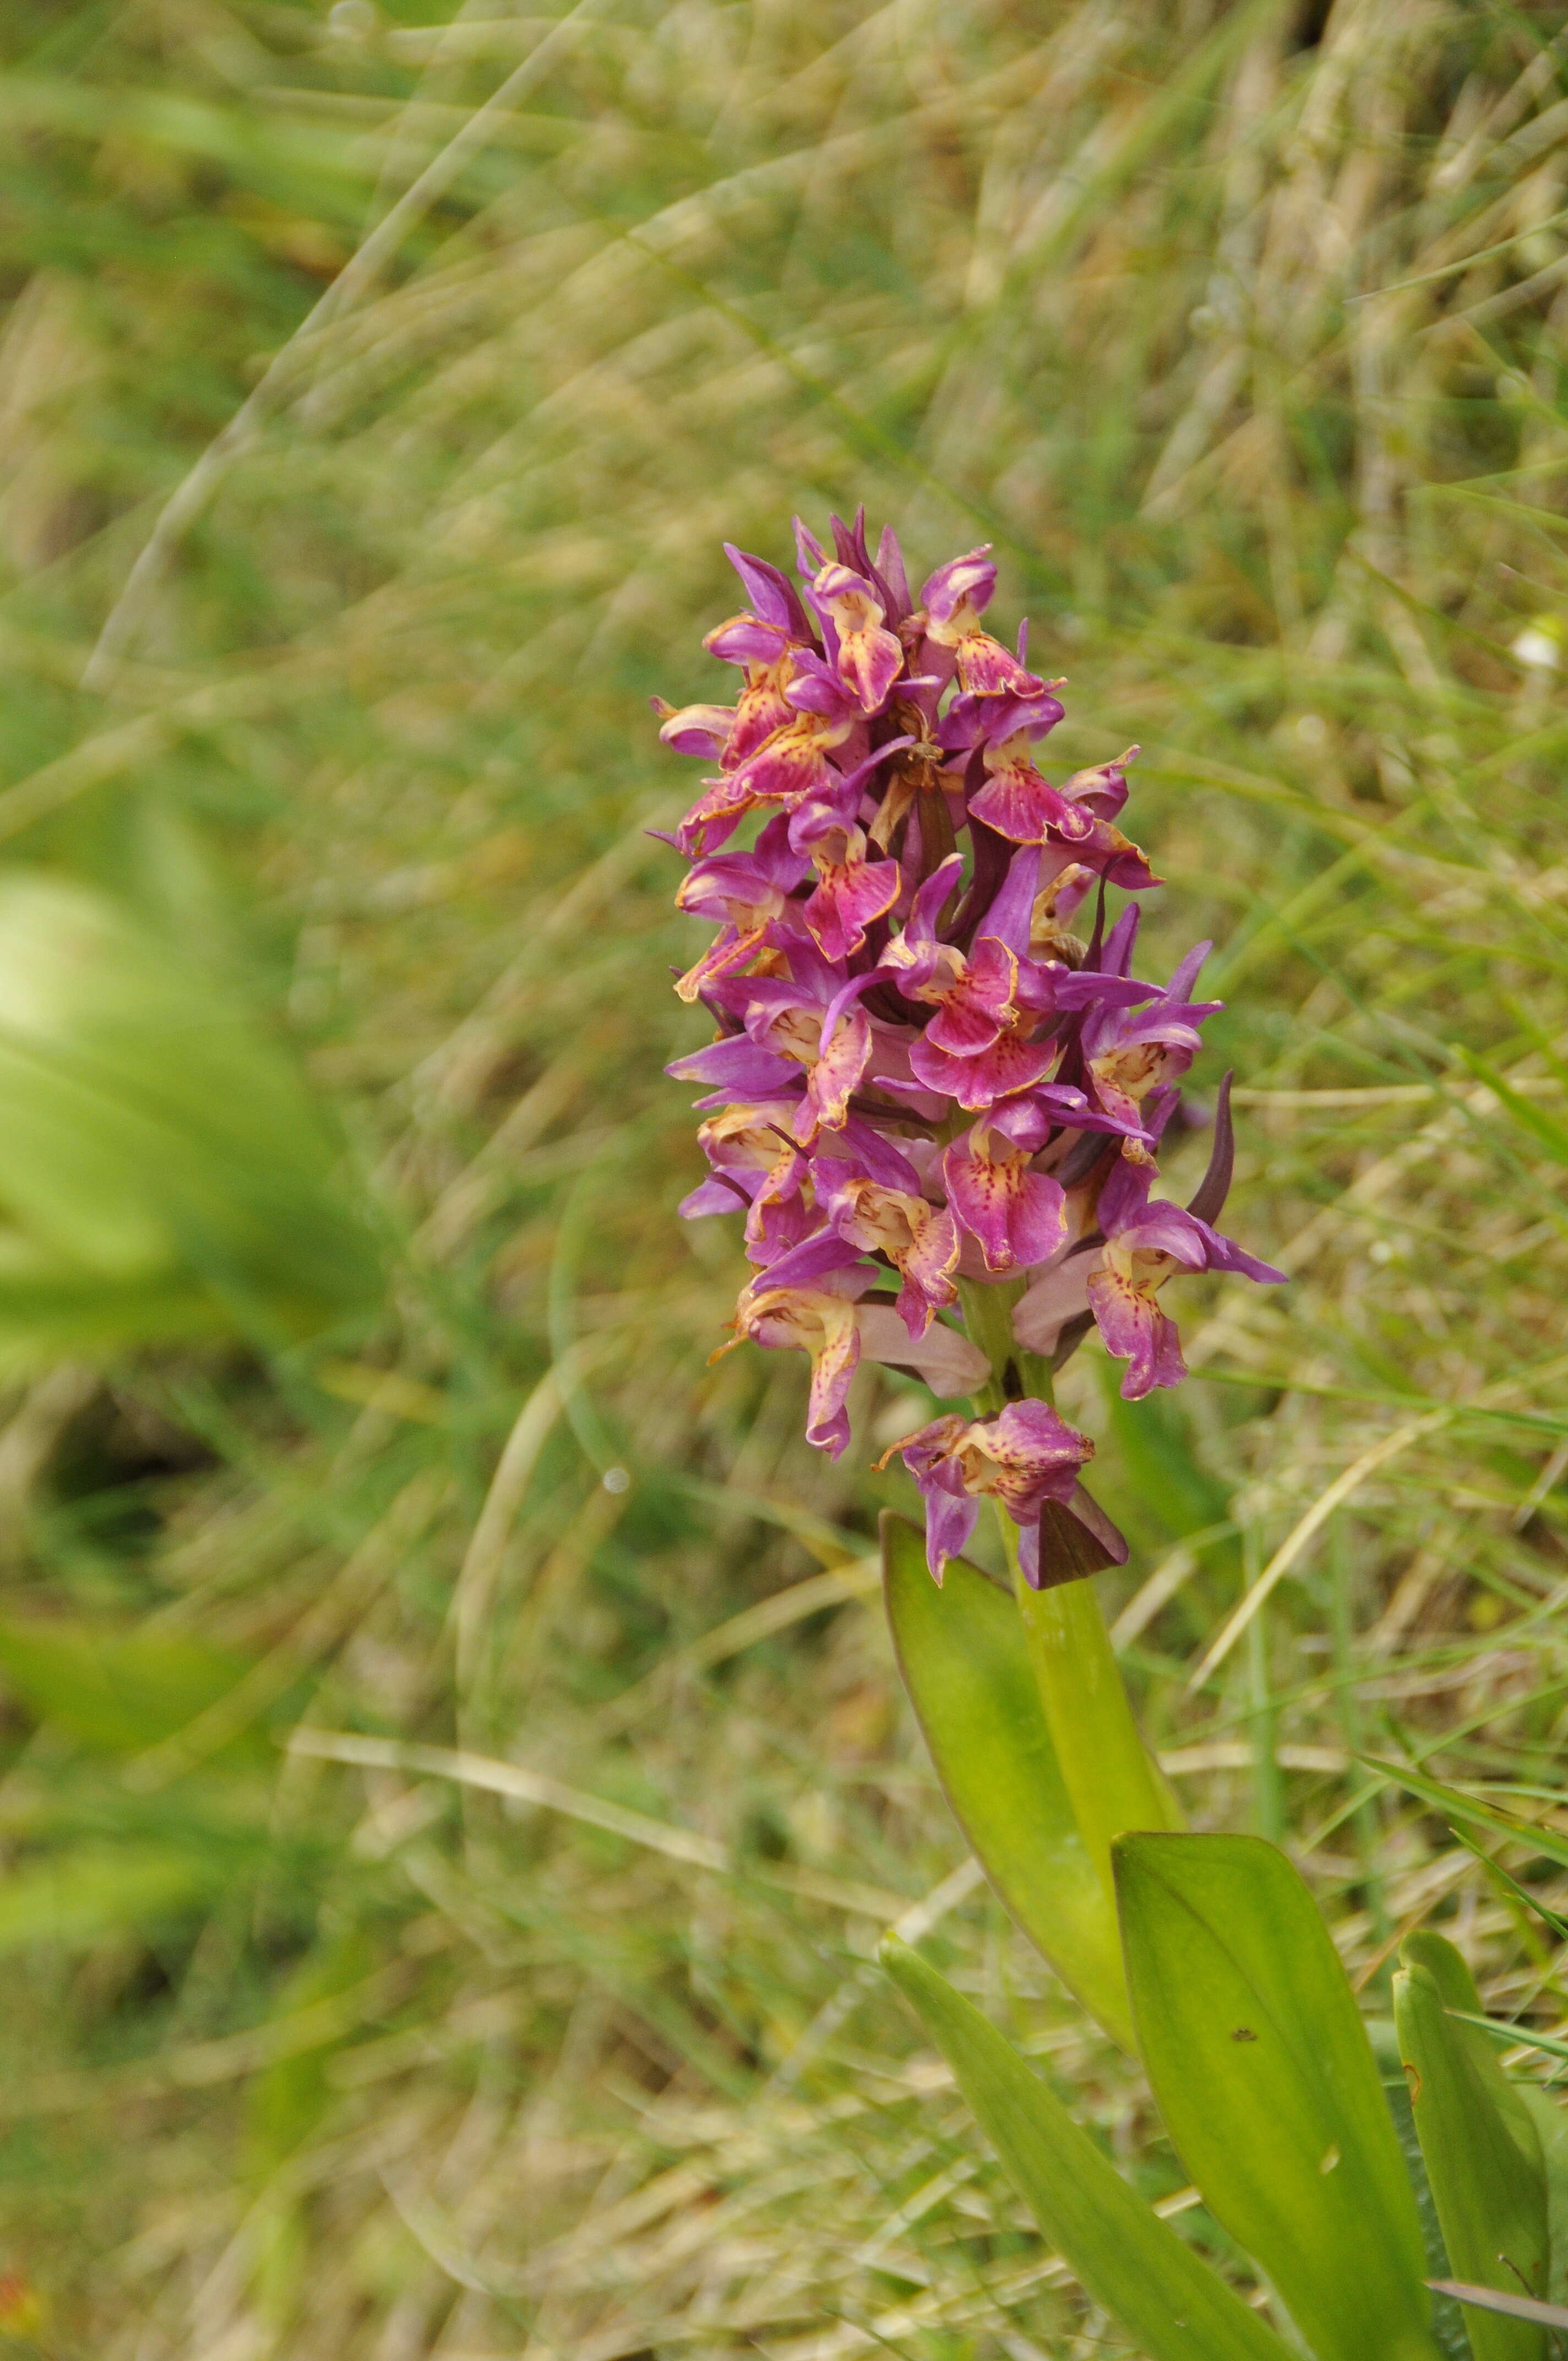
894 1955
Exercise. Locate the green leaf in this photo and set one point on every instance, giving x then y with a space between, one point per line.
1491 2196
118 1692
81 1895
1447 2321
965 1664
1551 2121
1265 2078
288 2097
1461 1997
1452 1805
1169 2302
166 1173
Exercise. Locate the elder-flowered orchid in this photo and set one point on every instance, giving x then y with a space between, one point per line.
704 730
790 765
868 656
821 1322
745 892
1022 1458
919 1239
994 736
954 598
1057 904
932 1074
1139 1242
982 1041
816 1310
1103 789
743 1143
1017 1216
807 1021
1145 1244
851 893
1127 1053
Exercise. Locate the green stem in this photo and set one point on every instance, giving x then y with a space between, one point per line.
988 1316
1110 1779
1365 1819
1111 1782
1268 1788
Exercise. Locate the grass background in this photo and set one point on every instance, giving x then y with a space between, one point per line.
338 1257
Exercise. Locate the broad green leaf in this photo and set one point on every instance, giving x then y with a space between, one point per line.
1491 2197
1262 2070
1457 1988
965 1664
166 1172
1453 1805
1171 2303
1447 2321
81 1895
118 1692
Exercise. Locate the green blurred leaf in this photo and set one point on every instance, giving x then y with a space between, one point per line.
92 1891
288 2099
1491 2196
965 1664
1262 2070
1163 1465
166 1172
1447 2322
118 1692
1166 2300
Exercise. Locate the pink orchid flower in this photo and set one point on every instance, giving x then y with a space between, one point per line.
824 1318
747 892
1023 1457
865 653
954 600
1118 1273
923 1075
1019 1217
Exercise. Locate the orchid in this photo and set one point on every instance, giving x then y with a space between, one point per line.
1115 1274
810 1303
1022 1458
935 1105
1016 1216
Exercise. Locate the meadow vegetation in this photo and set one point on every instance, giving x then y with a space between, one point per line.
453 1777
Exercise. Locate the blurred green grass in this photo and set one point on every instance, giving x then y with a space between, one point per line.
338 1256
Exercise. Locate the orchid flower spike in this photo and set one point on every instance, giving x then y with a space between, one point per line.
935 1070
